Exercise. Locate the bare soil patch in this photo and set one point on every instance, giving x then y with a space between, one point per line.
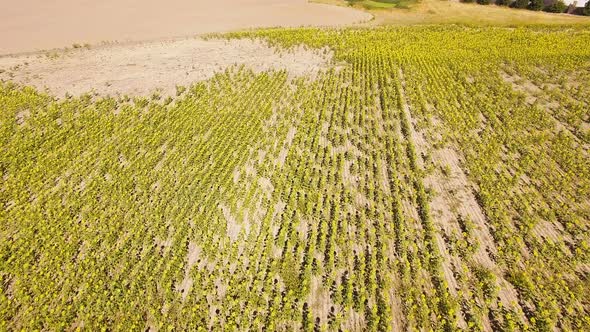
33 25
142 68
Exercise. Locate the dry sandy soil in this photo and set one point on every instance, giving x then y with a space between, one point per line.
142 68
139 46
32 25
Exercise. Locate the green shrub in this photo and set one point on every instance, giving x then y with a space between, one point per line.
557 7
536 5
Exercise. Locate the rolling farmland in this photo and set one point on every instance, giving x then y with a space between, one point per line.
432 178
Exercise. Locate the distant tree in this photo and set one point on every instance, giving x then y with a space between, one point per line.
557 7
483 2
521 3
503 2
467 1
353 2
536 5
587 9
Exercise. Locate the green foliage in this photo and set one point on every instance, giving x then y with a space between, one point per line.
382 4
521 4
258 201
586 10
557 7
536 5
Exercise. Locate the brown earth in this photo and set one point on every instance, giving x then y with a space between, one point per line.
33 25
133 47
142 68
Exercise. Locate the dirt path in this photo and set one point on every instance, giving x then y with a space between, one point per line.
33 25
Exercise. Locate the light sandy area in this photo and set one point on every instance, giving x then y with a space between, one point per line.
142 68
33 25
